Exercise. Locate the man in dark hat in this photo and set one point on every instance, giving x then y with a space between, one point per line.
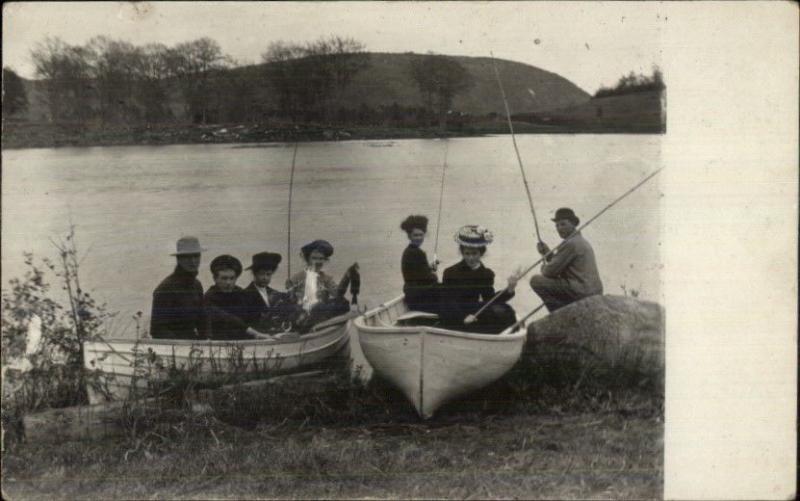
178 311
571 272
226 303
267 307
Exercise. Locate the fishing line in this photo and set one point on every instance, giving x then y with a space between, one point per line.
516 149
584 225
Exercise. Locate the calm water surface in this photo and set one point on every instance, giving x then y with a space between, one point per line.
130 204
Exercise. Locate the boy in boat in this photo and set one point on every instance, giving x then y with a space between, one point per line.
315 291
268 310
421 285
178 311
227 304
468 284
571 272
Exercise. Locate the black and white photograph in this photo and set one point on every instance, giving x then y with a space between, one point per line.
385 250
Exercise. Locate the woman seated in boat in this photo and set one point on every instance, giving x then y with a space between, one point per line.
320 297
421 287
268 310
226 303
468 285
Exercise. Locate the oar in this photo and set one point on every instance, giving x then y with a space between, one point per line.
521 321
336 321
584 225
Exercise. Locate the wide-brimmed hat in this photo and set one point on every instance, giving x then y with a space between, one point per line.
319 245
187 245
226 262
473 235
265 261
414 221
568 214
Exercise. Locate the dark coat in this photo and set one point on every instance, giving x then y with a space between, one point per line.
258 311
420 282
464 291
227 313
178 311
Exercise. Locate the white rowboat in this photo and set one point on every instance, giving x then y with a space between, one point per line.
125 364
431 365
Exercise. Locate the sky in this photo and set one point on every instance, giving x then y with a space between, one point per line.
589 43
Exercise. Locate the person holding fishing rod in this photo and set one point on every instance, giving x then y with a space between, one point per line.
570 273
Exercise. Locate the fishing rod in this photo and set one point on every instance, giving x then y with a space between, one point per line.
441 196
521 321
584 225
516 149
289 217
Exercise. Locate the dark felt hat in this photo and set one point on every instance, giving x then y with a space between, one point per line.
319 245
226 262
265 261
568 214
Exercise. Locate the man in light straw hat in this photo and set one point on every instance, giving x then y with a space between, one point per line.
571 273
178 311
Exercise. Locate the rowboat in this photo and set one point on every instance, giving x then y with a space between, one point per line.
431 365
125 364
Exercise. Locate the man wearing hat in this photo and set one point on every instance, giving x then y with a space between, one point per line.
570 273
266 306
178 311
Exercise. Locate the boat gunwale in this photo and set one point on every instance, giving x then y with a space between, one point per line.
362 327
221 342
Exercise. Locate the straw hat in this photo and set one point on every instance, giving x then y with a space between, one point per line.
473 235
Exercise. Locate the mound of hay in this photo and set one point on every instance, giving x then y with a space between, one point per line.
606 340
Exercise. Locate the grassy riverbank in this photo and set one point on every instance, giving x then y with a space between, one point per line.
46 135
523 437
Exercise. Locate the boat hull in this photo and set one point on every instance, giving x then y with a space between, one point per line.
127 364
432 366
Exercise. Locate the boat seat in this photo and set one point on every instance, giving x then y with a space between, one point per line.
417 318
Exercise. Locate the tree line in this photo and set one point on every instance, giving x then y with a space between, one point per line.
109 82
633 83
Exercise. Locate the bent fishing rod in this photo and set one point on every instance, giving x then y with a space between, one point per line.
516 149
584 225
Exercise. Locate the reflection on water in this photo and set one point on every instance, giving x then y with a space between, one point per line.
130 204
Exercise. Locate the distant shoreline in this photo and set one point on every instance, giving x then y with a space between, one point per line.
24 135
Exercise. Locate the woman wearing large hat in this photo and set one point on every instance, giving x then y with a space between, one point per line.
316 292
468 284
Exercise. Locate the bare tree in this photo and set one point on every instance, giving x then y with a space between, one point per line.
66 70
439 79
15 99
307 77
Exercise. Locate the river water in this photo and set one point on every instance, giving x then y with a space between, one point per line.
130 204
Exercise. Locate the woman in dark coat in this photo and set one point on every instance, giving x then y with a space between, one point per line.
226 303
468 285
421 287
